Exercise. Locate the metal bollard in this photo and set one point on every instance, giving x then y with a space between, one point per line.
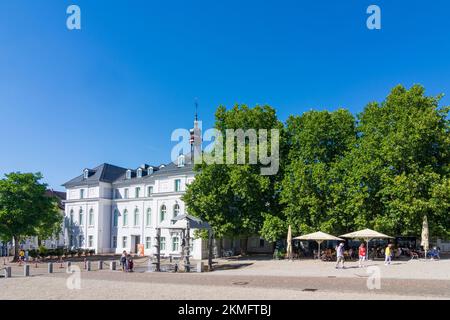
26 270
88 266
50 267
170 258
68 264
7 272
112 266
200 266
100 265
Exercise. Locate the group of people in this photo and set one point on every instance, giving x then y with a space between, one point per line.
126 261
362 255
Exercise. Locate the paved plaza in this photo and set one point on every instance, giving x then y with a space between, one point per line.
248 279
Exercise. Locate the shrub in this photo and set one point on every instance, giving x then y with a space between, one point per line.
43 252
59 252
91 252
80 252
33 253
51 253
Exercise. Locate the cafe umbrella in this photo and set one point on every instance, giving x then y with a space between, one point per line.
366 235
425 243
289 243
319 237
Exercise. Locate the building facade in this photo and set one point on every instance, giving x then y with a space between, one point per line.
112 209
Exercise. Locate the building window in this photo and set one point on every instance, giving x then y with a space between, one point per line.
81 193
136 217
91 217
139 173
115 193
137 191
80 217
150 170
80 241
124 242
163 243
148 220
71 218
149 191
148 242
261 243
128 174
181 161
177 185
91 241
86 174
125 218
115 218
176 210
114 242
125 191
162 214
175 242
71 241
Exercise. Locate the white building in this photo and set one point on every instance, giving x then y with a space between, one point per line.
111 209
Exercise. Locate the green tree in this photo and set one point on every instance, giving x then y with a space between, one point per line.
313 182
25 208
234 198
400 169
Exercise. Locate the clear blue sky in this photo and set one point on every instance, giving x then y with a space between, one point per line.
114 91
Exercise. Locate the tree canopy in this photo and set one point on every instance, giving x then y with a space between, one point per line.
25 208
385 169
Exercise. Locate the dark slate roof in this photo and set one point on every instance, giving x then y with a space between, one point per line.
103 173
117 175
168 169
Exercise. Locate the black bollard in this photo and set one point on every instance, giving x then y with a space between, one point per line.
26 270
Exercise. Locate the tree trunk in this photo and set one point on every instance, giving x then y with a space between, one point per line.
16 249
244 244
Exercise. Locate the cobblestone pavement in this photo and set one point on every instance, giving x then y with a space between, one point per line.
242 279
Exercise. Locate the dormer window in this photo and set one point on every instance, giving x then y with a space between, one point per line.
85 174
149 170
181 160
139 173
128 174
161 166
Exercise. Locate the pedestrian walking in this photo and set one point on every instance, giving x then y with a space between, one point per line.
340 255
388 254
123 260
130 263
362 254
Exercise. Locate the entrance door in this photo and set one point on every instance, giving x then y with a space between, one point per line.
137 240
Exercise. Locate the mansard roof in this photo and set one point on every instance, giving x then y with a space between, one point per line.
117 175
103 173
161 171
